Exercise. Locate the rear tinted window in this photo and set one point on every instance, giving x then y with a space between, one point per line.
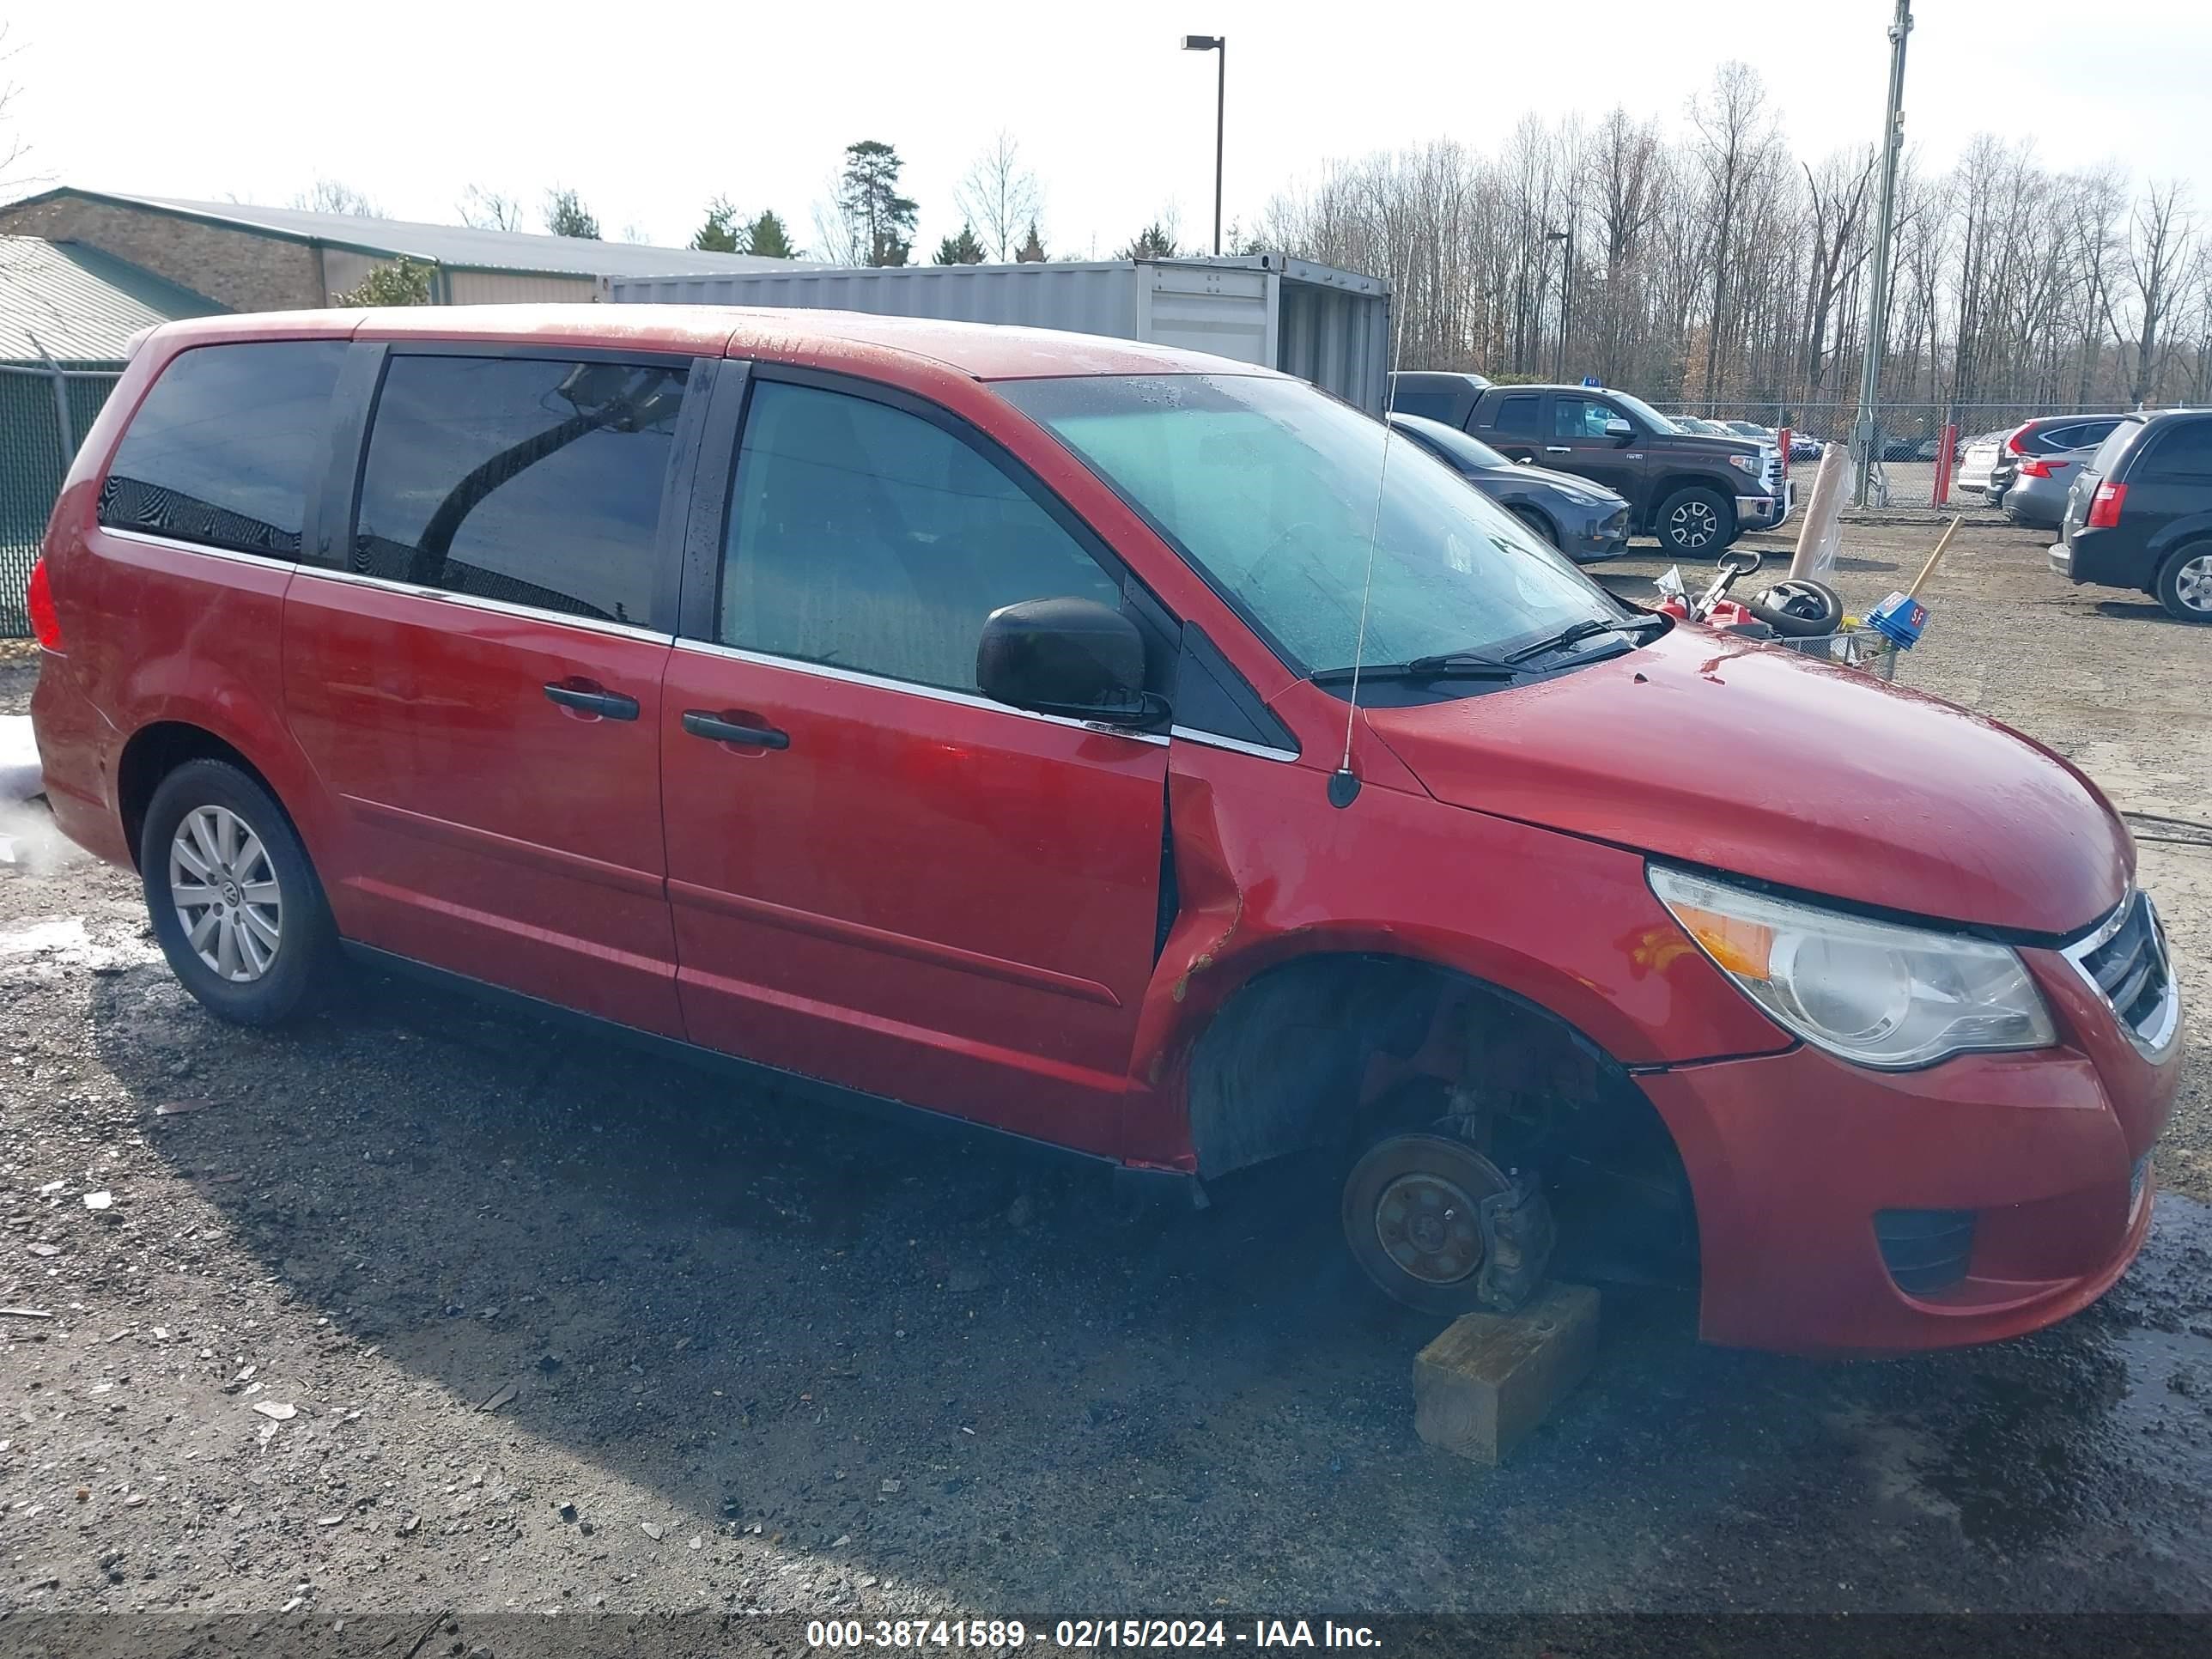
2184 449
530 481
2115 446
1430 405
1517 415
220 452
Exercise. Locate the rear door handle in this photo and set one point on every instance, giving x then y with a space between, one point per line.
712 727
1558 449
593 700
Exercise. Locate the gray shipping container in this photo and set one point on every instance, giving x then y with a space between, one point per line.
1332 327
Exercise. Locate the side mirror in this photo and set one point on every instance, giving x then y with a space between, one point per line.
1617 428
1075 657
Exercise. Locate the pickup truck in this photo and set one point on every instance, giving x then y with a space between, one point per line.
1695 494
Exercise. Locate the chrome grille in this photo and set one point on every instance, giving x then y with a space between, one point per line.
2125 959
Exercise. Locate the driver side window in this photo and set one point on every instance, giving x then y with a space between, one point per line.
865 537
1579 417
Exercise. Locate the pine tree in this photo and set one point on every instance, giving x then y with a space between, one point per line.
566 215
719 234
1154 241
879 221
767 239
961 250
1031 252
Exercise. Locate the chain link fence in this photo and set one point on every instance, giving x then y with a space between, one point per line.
1906 472
44 416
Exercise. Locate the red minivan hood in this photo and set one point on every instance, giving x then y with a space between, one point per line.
1706 748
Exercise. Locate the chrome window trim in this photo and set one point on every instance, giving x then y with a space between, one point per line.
1235 746
2158 1044
479 602
177 543
912 688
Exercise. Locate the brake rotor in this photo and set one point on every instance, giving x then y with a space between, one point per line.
1413 1219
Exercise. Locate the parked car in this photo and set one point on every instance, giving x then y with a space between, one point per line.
1908 448
1764 435
2139 512
955 717
2040 461
1695 493
1986 467
1585 521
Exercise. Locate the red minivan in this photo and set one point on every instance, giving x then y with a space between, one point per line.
1124 749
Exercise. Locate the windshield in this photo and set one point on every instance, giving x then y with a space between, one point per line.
1268 488
1469 452
1643 413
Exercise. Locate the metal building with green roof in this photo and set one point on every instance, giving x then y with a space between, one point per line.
67 316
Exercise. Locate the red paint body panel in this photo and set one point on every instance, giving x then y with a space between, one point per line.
1790 1157
1763 760
480 827
942 902
980 949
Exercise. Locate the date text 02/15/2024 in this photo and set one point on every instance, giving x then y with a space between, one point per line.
1084 1635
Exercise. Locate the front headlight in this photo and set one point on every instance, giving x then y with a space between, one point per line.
1750 463
1872 992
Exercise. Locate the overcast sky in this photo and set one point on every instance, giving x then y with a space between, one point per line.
648 109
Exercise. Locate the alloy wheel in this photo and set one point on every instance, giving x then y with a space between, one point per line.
226 894
1695 524
2193 584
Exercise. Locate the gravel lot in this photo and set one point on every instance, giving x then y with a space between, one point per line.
415 1308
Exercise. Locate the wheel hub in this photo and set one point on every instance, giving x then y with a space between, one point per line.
1429 1225
2193 582
226 894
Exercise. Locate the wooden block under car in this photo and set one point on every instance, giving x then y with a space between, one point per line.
1488 1380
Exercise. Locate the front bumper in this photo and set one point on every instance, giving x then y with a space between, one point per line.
1599 538
1763 512
1795 1159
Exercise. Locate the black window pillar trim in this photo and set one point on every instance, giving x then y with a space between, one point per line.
334 492
713 471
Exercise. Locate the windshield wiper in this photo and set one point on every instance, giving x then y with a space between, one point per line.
1588 628
1447 665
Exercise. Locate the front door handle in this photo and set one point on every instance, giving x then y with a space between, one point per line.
587 698
712 727
1558 449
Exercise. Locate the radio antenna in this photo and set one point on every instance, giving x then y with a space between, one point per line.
1343 783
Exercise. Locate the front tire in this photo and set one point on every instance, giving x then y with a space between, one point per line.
2185 583
236 904
1538 524
1694 523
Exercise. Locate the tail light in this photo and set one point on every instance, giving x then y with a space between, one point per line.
2036 469
39 602
2105 506
2013 443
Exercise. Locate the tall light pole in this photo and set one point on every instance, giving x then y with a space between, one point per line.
1215 42
1566 297
1892 146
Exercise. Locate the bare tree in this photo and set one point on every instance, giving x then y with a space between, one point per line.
1711 267
333 195
1735 139
490 209
1001 198
2160 247
1839 196
14 150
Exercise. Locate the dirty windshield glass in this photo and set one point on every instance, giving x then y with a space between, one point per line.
1270 488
